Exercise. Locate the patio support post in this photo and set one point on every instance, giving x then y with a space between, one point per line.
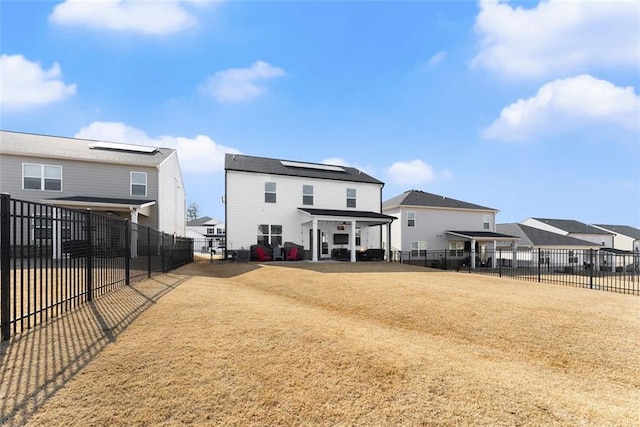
494 260
314 243
514 255
353 241
473 254
388 248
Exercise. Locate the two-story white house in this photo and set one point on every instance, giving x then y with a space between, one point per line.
207 233
320 207
431 222
140 183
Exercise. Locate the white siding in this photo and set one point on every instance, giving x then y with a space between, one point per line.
171 198
246 208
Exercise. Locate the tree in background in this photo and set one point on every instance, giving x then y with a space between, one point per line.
192 211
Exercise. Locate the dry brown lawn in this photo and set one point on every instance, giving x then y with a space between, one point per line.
330 344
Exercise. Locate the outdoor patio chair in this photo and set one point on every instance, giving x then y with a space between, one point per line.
278 253
293 254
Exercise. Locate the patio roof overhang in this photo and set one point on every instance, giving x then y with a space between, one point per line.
102 204
367 218
482 236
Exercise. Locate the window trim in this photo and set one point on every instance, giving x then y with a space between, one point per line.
411 216
486 222
456 248
42 177
307 198
270 234
353 198
268 192
131 183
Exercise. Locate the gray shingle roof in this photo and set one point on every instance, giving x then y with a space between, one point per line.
531 236
571 226
241 162
424 199
199 221
28 144
624 230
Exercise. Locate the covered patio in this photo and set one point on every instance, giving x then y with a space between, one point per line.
347 220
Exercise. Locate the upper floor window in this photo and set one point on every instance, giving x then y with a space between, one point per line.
269 192
351 197
41 177
220 230
411 219
486 220
211 230
138 183
307 195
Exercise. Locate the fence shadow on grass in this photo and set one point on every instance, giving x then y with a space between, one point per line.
37 363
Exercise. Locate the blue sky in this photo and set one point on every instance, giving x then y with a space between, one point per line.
531 108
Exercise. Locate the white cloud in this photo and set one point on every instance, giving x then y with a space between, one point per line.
437 58
26 84
156 18
412 172
240 84
557 36
196 155
576 101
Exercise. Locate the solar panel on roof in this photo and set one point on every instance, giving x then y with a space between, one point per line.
123 147
312 166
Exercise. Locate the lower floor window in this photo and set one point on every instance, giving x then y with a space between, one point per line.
456 248
270 234
418 248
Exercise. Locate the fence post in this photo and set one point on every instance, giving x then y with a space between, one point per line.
164 270
89 264
499 261
591 268
149 252
5 264
539 267
127 252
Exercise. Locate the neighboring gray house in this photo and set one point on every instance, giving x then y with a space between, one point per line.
431 222
326 209
140 183
537 246
572 228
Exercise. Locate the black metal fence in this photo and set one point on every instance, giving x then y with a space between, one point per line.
615 271
55 259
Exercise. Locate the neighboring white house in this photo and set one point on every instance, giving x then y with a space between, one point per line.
431 222
626 244
572 228
207 233
625 238
317 206
540 247
140 183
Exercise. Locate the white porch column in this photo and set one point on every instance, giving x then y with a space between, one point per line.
353 241
494 255
388 248
514 254
134 233
473 253
314 240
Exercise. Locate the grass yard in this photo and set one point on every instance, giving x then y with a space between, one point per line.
330 344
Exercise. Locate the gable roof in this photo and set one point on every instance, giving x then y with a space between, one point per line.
243 163
204 220
624 230
56 147
531 236
571 226
424 199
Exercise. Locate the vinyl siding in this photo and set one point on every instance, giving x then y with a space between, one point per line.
431 224
246 208
78 179
171 197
